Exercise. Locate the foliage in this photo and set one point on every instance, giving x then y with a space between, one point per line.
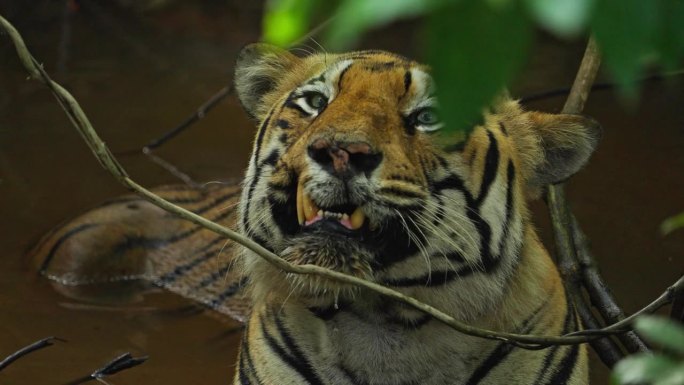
673 223
476 46
656 369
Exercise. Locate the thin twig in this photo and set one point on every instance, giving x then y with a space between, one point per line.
98 147
40 344
598 86
171 169
122 362
571 242
200 113
574 260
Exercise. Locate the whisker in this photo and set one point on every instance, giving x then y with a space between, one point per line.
418 242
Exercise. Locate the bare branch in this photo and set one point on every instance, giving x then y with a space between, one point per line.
122 362
40 344
575 261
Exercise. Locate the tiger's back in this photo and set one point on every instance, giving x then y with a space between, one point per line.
105 253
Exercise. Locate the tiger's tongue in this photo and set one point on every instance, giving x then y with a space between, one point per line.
309 213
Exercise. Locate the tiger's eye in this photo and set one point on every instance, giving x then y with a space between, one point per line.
427 117
317 100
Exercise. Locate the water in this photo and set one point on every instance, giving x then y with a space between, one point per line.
137 76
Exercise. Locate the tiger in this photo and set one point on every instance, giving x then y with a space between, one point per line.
353 170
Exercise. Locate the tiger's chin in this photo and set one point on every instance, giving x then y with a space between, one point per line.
320 248
331 251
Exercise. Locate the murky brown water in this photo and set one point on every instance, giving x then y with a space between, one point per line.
138 76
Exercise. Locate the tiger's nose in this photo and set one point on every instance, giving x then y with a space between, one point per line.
344 159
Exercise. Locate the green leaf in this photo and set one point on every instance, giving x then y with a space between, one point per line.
355 17
626 31
644 368
672 223
563 17
662 331
285 21
672 377
474 50
671 41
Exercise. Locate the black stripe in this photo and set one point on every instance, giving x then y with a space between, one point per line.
303 367
206 252
311 374
502 350
399 192
271 159
510 174
244 350
291 104
216 202
502 126
131 242
563 370
216 275
229 292
491 167
319 79
242 369
552 352
442 162
339 78
407 81
451 182
257 170
284 124
280 187
567 366
61 240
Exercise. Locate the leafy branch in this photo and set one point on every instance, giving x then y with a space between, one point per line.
109 162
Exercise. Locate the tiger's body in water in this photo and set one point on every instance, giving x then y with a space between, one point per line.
350 171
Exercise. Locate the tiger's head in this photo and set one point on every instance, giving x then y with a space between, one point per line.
350 171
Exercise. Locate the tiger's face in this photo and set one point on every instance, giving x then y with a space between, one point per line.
350 171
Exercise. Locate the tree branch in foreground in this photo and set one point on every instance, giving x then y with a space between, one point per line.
122 362
104 156
40 344
575 261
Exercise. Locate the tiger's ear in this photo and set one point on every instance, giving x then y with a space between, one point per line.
565 143
257 70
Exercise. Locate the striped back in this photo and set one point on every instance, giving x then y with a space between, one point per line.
127 240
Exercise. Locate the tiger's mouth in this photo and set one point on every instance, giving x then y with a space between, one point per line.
343 216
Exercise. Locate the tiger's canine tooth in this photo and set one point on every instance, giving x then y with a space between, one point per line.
357 218
306 208
300 204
